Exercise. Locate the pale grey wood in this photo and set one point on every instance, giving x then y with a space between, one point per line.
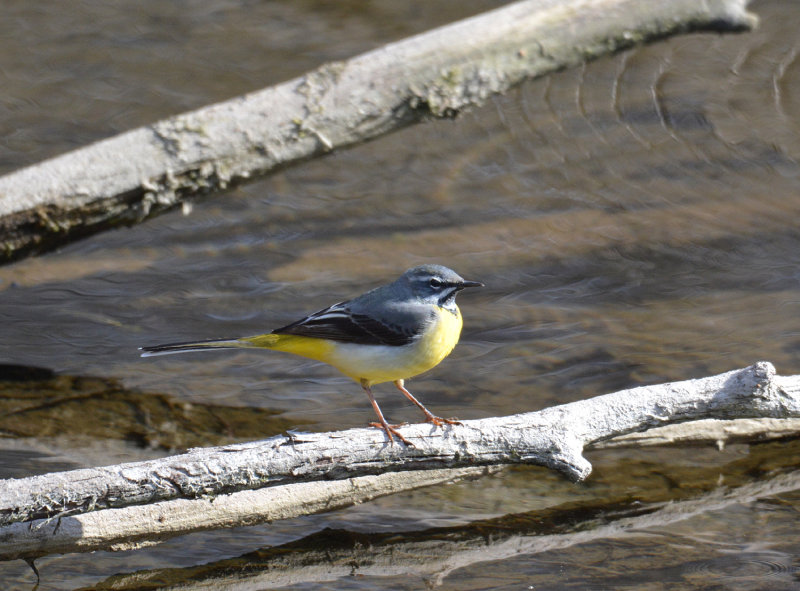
717 432
147 502
554 437
137 526
129 177
435 557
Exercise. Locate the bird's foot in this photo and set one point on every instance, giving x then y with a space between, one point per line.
392 432
439 421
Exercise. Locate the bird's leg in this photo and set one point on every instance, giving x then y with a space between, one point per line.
429 416
391 431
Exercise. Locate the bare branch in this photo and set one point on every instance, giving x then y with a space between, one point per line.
127 178
554 437
144 525
708 431
436 553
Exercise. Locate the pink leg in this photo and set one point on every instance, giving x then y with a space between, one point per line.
391 431
429 416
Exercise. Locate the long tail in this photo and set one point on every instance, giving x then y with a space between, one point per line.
265 341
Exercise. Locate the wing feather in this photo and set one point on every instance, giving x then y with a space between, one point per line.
340 323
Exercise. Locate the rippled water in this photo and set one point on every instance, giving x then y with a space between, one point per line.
634 222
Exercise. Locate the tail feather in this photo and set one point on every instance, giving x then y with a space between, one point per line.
210 345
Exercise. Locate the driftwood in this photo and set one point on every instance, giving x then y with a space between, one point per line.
137 174
435 554
132 504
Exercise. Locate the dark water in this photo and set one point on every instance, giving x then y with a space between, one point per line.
634 222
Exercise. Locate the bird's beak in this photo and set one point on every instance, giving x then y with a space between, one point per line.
464 284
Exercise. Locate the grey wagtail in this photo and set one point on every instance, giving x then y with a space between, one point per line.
389 334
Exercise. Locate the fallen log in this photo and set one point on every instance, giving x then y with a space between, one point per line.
138 174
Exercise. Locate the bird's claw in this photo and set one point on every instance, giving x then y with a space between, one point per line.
440 421
392 432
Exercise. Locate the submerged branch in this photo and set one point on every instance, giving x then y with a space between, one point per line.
130 177
436 553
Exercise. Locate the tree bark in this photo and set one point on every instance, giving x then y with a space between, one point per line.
149 501
137 174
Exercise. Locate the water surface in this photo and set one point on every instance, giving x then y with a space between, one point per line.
634 221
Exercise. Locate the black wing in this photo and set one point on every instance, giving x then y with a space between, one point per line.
339 323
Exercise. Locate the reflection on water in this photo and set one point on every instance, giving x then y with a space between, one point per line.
634 221
77 413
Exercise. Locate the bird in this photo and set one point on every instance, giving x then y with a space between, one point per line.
389 334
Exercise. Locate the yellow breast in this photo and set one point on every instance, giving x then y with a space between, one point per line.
440 339
386 363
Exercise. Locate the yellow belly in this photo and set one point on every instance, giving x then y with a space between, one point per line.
376 363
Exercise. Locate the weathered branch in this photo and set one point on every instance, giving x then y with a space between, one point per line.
716 432
247 474
434 554
127 178
144 525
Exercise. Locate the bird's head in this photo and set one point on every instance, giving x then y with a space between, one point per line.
436 284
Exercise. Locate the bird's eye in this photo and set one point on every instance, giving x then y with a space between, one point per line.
435 283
